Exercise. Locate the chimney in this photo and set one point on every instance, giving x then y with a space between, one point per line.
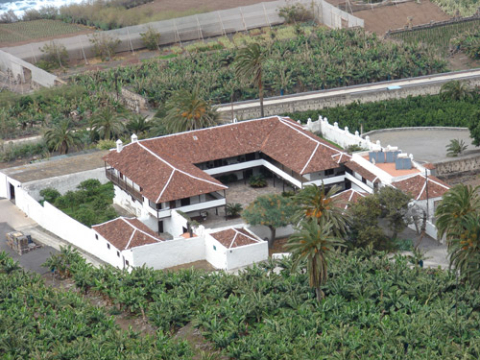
119 145
134 138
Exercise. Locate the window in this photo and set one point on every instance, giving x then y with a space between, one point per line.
96 236
329 172
185 202
118 253
364 180
108 246
214 248
127 263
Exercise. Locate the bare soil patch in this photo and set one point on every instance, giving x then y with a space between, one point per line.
382 19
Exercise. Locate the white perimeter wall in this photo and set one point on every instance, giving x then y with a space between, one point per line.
170 253
264 232
246 255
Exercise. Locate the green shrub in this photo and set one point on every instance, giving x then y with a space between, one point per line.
54 56
257 181
50 194
150 38
104 46
234 209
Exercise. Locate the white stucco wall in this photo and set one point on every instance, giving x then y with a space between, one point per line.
247 255
170 253
125 201
264 232
215 253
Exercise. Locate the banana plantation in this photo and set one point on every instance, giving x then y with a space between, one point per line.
323 59
375 307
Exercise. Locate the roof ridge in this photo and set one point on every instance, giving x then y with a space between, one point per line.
236 234
250 237
180 171
131 238
310 158
143 232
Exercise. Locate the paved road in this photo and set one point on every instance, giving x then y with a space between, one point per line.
11 218
426 145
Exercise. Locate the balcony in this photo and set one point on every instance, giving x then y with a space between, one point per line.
213 200
122 184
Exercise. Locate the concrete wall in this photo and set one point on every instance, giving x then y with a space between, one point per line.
64 183
455 166
263 232
215 253
246 255
170 253
304 101
24 72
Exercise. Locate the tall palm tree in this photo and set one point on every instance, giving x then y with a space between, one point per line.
458 202
61 137
316 203
316 244
187 110
107 123
249 64
455 90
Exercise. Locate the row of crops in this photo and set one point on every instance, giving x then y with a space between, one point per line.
323 59
440 37
430 110
375 308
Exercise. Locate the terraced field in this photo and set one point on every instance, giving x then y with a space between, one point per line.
26 31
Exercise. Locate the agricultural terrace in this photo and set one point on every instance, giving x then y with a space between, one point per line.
320 59
463 7
430 110
439 37
26 31
374 308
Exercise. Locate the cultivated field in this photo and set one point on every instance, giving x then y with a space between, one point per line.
26 31
382 19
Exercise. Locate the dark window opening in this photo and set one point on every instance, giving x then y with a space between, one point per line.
329 172
160 227
364 180
108 246
96 236
185 202
127 263
118 253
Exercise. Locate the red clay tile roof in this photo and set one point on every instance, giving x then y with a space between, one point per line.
352 165
232 238
416 187
429 166
164 167
347 197
127 233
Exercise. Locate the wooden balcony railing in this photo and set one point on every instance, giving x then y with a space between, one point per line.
123 185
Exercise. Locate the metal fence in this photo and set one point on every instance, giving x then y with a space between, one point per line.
195 27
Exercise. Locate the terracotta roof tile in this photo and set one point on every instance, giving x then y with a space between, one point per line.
127 233
416 187
232 238
347 197
352 165
164 166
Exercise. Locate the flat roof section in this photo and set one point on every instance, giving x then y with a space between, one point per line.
57 166
389 168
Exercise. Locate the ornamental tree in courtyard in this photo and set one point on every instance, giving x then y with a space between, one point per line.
272 210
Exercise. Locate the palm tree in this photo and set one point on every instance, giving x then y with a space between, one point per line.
139 124
62 138
107 123
455 90
464 247
249 64
316 203
456 204
316 244
187 110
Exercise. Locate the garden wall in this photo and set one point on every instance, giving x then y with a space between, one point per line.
22 72
452 167
246 255
195 27
64 183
